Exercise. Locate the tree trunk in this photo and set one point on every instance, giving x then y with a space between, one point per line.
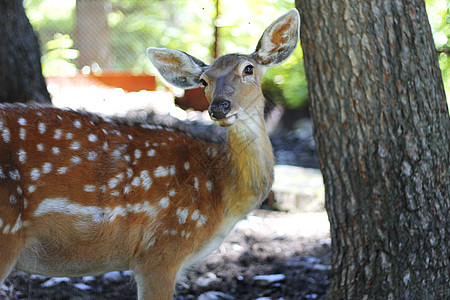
92 33
382 133
21 77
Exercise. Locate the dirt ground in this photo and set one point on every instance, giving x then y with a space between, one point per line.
294 248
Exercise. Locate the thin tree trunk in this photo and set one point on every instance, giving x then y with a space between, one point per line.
21 77
382 133
92 34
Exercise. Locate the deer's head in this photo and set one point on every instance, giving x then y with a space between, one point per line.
232 82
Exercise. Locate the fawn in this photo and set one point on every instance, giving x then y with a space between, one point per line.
82 195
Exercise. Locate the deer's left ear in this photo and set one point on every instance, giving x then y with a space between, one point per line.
177 67
279 40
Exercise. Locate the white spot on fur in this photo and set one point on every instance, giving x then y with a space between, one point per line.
58 134
18 225
14 175
137 154
92 138
31 189
116 153
62 170
136 181
75 146
90 188
2 174
22 121
146 180
201 220
182 214
22 134
187 165
195 215
6 229
47 168
151 153
40 147
129 172
115 193
6 135
75 160
172 193
56 150
42 127
92 155
22 155
113 183
209 185
161 172
69 136
164 202
12 200
77 124
172 170
35 174
196 183
127 189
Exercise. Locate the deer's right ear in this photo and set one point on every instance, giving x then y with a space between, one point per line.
177 67
279 40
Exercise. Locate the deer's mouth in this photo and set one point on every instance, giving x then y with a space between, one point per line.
227 121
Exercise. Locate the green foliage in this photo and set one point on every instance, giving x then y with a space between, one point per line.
439 15
137 25
59 58
189 26
286 84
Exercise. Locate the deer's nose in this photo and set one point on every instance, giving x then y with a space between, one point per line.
219 109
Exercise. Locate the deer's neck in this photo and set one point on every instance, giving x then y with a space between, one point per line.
251 157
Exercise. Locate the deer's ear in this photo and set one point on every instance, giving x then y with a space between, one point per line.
279 40
178 68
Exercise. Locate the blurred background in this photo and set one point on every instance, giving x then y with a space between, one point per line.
108 38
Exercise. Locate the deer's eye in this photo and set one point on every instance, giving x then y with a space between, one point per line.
248 70
203 82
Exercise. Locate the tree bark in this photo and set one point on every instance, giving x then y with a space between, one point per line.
21 77
382 132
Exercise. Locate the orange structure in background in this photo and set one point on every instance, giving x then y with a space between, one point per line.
194 98
126 81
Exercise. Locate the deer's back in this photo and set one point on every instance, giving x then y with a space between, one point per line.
72 180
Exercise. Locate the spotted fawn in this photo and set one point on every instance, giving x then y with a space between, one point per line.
81 194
